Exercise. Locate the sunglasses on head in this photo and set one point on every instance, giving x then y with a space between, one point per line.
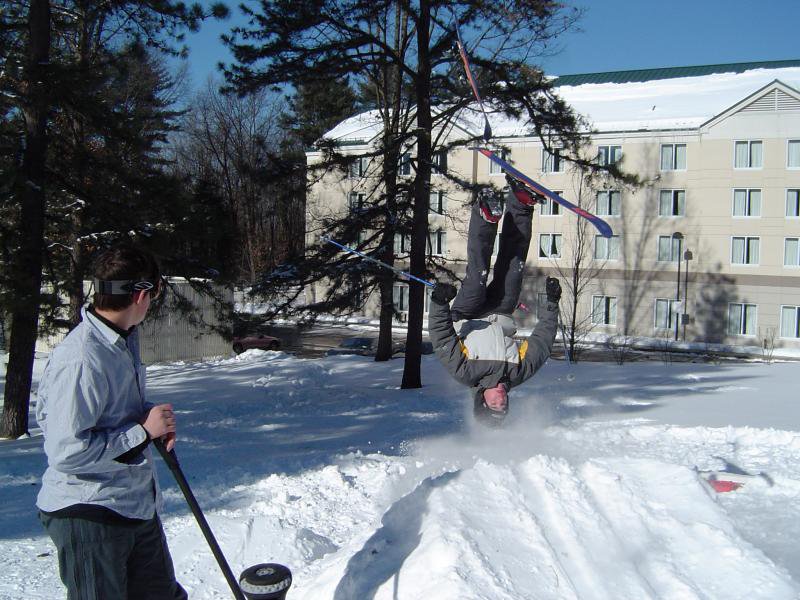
126 287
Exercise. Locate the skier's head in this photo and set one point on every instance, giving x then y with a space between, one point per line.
491 405
123 276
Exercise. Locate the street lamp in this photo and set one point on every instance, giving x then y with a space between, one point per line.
687 256
678 236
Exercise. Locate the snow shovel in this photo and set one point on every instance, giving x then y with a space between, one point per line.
265 581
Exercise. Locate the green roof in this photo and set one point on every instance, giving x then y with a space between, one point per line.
669 72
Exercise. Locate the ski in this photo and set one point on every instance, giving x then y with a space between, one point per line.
601 226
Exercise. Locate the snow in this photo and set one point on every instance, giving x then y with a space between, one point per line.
678 103
368 491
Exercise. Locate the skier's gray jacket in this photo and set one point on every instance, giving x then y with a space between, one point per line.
484 352
90 403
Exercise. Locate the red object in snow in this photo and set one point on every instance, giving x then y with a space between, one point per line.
722 486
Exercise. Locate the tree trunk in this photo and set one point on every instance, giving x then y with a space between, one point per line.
412 377
26 267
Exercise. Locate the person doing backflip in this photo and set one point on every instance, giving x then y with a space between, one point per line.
483 354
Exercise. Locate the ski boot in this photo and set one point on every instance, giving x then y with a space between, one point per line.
491 204
524 194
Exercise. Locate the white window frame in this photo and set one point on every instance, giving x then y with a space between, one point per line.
606 154
742 308
612 247
674 201
402 243
552 162
795 200
789 154
672 313
437 202
551 208
554 239
358 168
609 310
796 257
674 157
494 168
747 250
750 144
359 198
606 208
541 304
796 333
674 249
400 291
748 203
437 242
437 159
404 165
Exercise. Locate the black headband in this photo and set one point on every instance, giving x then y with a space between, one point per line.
121 287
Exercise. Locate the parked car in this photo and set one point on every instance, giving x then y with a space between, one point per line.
261 341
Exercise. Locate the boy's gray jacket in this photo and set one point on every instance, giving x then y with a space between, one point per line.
90 402
484 352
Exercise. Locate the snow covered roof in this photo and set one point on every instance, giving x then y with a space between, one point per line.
677 98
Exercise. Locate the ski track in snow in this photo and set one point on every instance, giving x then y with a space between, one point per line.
372 493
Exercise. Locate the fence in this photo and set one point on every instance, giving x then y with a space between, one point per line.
170 336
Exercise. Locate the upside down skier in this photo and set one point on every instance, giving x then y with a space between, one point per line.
483 354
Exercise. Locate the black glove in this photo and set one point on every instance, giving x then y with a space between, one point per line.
553 289
443 293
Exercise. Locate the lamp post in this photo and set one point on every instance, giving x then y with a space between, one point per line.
687 256
678 236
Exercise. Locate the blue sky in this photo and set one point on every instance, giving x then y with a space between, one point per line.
624 34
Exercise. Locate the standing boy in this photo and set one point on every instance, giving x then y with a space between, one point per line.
483 354
99 495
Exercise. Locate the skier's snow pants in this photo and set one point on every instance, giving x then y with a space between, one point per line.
104 561
475 299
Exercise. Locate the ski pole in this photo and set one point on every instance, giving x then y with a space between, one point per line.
377 262
264 581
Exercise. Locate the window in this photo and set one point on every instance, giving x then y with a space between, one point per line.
672 203
438 202
358 168
793 154
748 155
791 252
746 203
552 161
673 157
666 313
742 319
608 155
355 201
439 166
790 321
494 168
404 168
744 250
608 203
669 249
437 242
400 296
541 304
550 245
604 310
402 243
793 203
606 248
550 208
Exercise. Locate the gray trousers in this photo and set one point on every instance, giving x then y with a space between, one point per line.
101 561
476 299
